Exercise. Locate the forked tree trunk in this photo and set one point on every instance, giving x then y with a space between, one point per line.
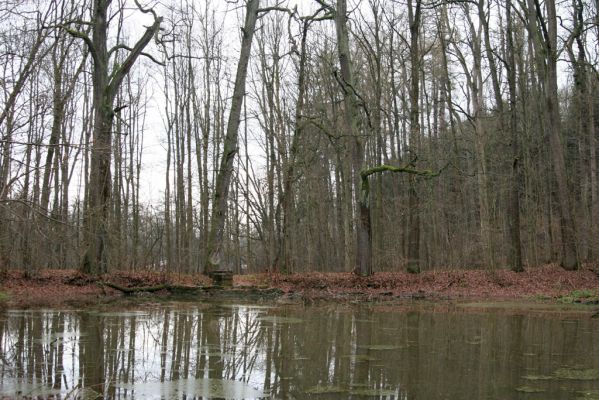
106 84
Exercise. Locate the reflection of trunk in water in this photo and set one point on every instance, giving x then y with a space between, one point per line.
36 363
361 351
516 350
333 353
232 341
283 369
234 362
120 353
341 348
268 329
56 352
188 324
176 351
164 345
112 352
201 344
91 355
253 343
244 357
129 371
414 346
20 348
215 359
228 341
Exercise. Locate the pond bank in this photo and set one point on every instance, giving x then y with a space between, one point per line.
52 288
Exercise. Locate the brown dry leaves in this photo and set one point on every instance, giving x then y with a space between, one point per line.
549 281
52 288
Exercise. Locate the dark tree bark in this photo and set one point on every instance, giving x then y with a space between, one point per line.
366 256
515 244
60 96
289 174
106 84
414 16
352 124
223 179
569 256
583 114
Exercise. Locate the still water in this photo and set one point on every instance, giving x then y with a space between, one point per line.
190 350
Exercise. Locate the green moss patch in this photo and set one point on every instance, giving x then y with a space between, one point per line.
538 377
580 374
373 392
529 389
322 389
381 347
588 395
580 296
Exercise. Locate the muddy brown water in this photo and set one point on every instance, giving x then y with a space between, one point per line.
247 351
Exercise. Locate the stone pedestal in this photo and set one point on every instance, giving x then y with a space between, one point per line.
222 278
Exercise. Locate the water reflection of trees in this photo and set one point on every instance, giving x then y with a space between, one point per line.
35 346
414 354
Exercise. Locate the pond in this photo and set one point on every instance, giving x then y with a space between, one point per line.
233 351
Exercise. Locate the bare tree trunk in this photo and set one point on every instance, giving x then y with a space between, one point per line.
189 236
352 124
223 178
414 14
569 258
365 193
584 116
97 201
594 220
515 244
32 59
167 204
289 174
105 88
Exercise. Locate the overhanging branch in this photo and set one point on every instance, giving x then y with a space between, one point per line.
408 169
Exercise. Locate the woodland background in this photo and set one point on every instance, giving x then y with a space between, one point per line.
490 106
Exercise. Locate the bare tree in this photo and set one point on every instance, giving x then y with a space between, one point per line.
225 172
515 249
106 82
547 22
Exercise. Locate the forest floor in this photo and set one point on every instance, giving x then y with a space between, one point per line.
550 283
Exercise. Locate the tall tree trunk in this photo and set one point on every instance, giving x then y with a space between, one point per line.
594 212
105 88
584 115
225 172
414 14
352 124
515 244
289 174
97 202
513 215
569 256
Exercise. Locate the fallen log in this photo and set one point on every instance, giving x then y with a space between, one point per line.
151 289
205 292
